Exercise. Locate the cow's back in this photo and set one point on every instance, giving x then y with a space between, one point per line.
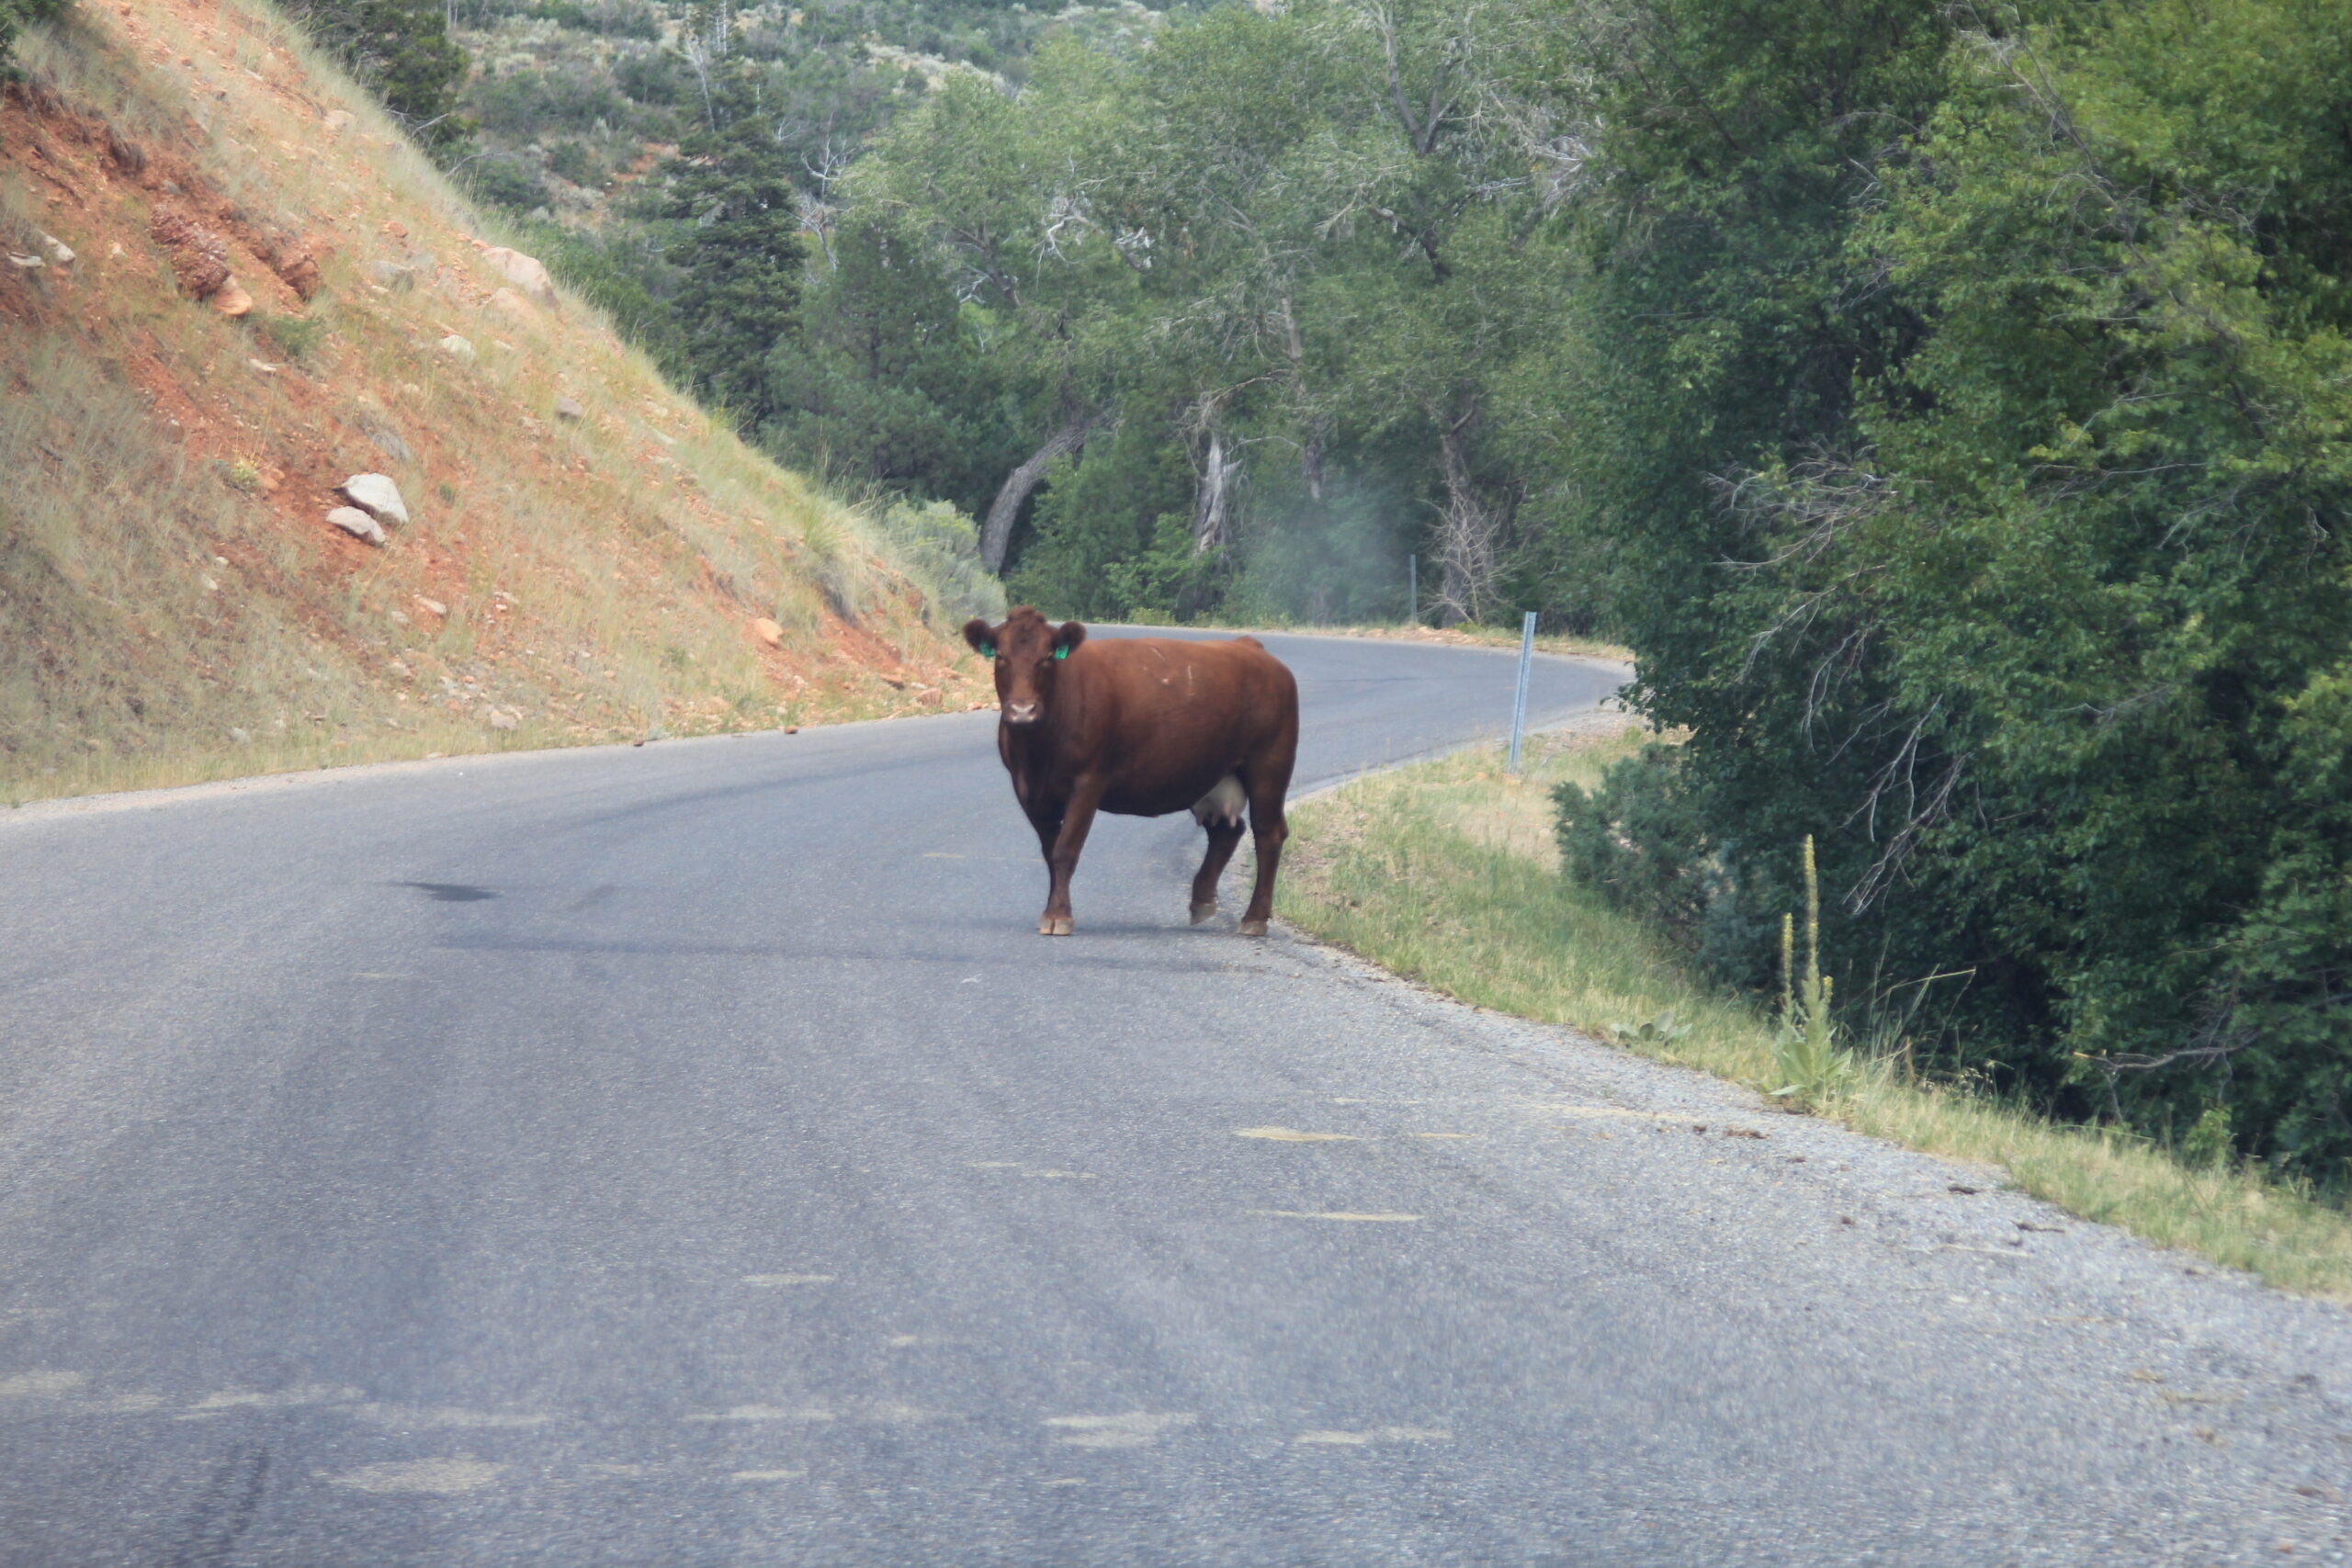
1175 716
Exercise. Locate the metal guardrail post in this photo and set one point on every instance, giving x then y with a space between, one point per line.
1519 702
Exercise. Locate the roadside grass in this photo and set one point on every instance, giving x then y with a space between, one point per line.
1445 872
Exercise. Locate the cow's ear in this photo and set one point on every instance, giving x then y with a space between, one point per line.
981 635
1069 635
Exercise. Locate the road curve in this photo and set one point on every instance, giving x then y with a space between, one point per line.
690 1154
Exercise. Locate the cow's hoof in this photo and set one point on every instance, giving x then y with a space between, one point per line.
1202 913
1054 925
1251 927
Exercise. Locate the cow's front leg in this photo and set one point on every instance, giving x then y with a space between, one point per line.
1062 858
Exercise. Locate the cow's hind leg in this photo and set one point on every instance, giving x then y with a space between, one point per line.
1269 829
1224 837
1219 811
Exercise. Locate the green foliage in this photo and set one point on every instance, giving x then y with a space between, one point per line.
2024 433
621 272
573 160
741 253
500 181
548 102
2208 1144
14 14
292 337
1111 530
886 382
1806 1056
402 50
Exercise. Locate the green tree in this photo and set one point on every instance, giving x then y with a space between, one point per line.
739 253
885 382
402 50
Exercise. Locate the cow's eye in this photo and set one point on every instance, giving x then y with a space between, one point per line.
1061 653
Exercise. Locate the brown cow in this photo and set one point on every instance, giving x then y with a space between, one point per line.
1143 727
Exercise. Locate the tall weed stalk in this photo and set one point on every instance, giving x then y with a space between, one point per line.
1811 1066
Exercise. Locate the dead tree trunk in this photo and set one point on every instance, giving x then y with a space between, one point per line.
1211 512
996 535
1470 530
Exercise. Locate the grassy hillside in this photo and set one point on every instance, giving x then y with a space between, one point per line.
589 557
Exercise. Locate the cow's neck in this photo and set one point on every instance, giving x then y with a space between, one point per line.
1036 753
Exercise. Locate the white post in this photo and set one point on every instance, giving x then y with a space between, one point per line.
1519 702
1413 590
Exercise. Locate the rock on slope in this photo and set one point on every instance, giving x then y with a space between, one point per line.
269 291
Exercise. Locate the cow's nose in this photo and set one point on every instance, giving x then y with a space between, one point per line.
1021 713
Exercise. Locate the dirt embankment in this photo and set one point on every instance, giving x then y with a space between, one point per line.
229 287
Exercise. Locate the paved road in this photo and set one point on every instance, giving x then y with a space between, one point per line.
689 1154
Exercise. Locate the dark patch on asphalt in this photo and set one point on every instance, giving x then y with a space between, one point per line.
449 892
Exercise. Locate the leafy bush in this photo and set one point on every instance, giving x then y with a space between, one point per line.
399 48
543 103
505 182
652 76
573 160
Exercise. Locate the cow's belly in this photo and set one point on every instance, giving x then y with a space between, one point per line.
1174 791
1160 801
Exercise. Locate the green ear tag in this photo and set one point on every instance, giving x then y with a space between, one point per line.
1061 653
988 650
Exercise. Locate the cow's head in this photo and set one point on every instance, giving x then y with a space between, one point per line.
1027 650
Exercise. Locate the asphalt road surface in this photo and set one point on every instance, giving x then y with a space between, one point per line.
690 1154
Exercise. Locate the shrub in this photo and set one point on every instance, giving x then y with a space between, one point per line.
399 48
13 16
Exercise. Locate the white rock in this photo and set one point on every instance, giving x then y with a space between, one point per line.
241 737
457 347
512 305
353 520
570 409
25 263
502 719
393 276
375 494
336 121
60 253
525 271
432 606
